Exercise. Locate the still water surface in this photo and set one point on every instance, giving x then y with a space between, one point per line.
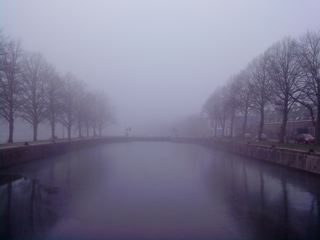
157 191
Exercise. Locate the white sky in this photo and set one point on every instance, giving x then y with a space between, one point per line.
158 60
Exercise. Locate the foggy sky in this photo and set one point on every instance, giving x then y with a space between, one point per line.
158 60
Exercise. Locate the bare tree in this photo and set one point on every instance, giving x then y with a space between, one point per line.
285 72
31 88
87 120
245 97
309 60
10 82
34 90
54 95
223 110
80 108
216 109
71 89
2 75
103 114
211 109
232 101
94 114
260 88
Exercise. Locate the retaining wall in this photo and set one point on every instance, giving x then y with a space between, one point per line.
309 162
13 155
302 160
16 154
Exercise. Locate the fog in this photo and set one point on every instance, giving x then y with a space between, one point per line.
117 116
159 60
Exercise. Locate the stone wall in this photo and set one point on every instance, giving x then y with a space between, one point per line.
13 155
16 154
309 162
302 160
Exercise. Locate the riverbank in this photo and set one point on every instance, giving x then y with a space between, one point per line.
17 153
20 153
304 160
307 161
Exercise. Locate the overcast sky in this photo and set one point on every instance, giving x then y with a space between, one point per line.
158 60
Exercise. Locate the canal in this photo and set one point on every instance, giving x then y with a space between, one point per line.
145 190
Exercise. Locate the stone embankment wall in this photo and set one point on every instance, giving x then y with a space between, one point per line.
309 162
302 160
16 154
13 155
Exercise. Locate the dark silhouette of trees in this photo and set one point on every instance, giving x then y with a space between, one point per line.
33 85
217 109
260 87
10 82
104 115
100 112
54 91
245 97
79 107
212 108
284 78
69 96
232 99
284 70
309 59
31 88
87 103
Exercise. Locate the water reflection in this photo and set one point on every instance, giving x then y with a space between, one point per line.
157 191
269 202
26 206
33 201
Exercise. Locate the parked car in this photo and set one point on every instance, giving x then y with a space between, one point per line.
304 138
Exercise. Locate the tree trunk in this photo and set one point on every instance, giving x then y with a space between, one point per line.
232 123
215 127
261 125
223 127
35 131
283 126
94 131
88 133
244 127
80 130
11 127
69 132
53 130
317 127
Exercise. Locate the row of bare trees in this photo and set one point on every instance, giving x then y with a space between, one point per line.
31 89
285 76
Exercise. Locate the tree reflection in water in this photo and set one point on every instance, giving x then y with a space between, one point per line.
272 209
27 207
157 190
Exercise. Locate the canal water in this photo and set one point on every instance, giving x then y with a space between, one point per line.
157 191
